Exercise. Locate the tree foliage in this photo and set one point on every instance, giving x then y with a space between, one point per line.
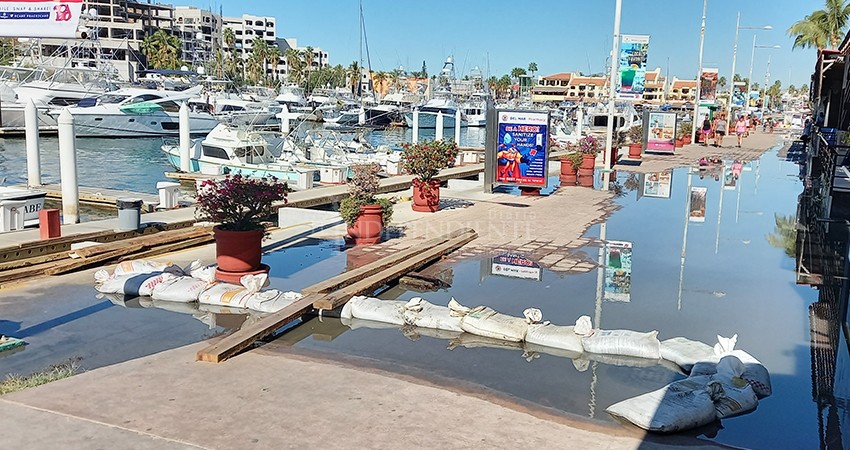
162 51
823 28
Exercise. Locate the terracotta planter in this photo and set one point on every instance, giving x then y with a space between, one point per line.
687 139
635 151
585 173
569 180
426 195
369 225
238 251
585 181
567 167
588 161
680 143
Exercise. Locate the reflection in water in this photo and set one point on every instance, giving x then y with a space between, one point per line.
785 235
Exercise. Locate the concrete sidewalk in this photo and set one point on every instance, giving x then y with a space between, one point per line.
260 400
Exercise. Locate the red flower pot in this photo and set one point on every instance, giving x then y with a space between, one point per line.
635 151
567 167
238 251
588 161
679 143
369 225
426 195
585 181
569 180
585 173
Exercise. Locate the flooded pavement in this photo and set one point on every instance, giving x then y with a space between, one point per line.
701 265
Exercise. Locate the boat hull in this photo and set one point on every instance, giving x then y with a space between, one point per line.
139 125
429 120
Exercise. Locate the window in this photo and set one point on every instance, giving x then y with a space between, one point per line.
227 108
258 23
215 152
141 98
170 106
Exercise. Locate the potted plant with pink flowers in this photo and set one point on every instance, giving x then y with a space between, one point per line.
425 161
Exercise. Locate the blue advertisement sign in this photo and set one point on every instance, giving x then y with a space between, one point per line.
522 148
632 67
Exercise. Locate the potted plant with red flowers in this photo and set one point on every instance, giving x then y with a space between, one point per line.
569 165
364 213
425 161
589 146
635 141
239 205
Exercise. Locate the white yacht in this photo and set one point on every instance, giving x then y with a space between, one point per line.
391 108
475 109
296 104
135 112
65 87
428 113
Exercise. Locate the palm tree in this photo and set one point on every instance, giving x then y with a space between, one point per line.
354 75
379 78
162 50
516 72
257 60
532 67
308 63
792 91
721 82
822 28
273 55
295 68
230 65
785 234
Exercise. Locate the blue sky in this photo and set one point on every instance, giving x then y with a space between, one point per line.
560 36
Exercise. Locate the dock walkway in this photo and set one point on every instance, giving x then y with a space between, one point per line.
101 196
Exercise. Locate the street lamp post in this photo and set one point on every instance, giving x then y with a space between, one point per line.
699 75
612 96
752 60
738 27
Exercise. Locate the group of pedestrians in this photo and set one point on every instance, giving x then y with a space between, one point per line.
717 129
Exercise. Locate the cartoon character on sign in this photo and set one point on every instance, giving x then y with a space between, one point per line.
63 13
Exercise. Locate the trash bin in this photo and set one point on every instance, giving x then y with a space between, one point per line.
168 192
129 213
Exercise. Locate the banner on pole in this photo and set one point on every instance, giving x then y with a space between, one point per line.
522 147
618 271
738 97
708 86
40 18
632 62
697 210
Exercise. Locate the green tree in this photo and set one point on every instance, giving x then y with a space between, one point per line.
503 86
516 72
775 93
7 51
721 82
792 91
378 79
424 72
785 234
257 62
294 66
822 28
273 56
532 67
354 74
309 57
162 51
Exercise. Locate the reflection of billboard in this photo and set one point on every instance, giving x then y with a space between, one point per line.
697 210
658 184
738 98
661 133
632 79
522 148
515 266
618 271
40 18
730 179
708 85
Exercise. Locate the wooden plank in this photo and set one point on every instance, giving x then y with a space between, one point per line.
369 284
32 261
74 264
243 338
164 237
239 340
159 250
344 279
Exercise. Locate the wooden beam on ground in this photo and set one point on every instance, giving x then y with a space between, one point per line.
369 284
239 340
243 338
146 241
346 278
168 248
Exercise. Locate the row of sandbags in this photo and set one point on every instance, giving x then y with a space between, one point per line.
194 283
722 381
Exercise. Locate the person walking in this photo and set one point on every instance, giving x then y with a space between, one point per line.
741 129
706 131
719 130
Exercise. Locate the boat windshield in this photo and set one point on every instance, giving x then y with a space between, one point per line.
112 98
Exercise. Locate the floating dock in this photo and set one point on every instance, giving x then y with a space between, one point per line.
100 196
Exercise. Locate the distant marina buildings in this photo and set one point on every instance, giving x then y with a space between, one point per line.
572 86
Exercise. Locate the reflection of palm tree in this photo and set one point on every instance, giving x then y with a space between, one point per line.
785 235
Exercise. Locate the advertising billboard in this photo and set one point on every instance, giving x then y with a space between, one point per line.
697 209
632 62
515 266
40 18
661 133
658 184
708 86
738 97
522 148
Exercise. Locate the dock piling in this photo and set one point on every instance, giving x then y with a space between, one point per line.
68 168
185 139
416 125
458 118
284 120
33 151
440 126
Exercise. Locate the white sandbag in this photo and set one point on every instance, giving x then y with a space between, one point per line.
420 313
485 321
179 289
735 397
621 360
754 373
703 368
623 342
370 308
197 270
584 326
725 345
679 406
555 336
144 266
134 284
225 294
759 378
271 300
685 352
355 323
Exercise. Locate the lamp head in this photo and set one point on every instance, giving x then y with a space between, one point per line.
767 27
